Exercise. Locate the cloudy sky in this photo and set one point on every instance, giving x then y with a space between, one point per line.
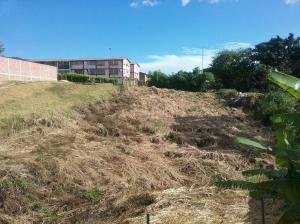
169 35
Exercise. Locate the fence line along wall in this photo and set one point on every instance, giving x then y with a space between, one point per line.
20 70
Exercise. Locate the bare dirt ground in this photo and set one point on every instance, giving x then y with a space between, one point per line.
144 150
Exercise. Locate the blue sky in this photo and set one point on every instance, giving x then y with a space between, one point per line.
159 34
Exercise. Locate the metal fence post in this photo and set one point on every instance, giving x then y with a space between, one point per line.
8 68
263 210
147 218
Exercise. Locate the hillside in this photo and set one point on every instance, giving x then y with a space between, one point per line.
95 154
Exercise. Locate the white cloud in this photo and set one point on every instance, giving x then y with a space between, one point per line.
185 2
146 3
198 51
134 4
217 1
188 59
150 3
174 63
236 45
291 2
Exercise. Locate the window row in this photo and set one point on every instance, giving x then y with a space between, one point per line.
112 71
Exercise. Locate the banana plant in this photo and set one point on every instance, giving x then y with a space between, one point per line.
282 181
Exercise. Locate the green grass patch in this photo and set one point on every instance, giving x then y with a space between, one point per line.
91 195
22 104
227 93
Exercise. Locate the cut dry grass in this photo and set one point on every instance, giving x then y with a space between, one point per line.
27 104
112 160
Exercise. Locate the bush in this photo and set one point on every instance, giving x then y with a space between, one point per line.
194 81
227 93
74 77
281 180
274 102
158 79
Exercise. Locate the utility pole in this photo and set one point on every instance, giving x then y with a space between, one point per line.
109 56
202 60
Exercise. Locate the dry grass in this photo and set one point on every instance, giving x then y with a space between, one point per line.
28 104
112 160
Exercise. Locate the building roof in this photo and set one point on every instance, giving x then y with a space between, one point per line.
78 59
132 63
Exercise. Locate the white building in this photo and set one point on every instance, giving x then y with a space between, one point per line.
116 68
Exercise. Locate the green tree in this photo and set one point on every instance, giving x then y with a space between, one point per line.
280 53
234 68
295 61
188 81
158 79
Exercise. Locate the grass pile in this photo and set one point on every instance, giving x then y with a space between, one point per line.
110 156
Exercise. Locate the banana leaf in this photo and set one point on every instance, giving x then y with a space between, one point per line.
289 83
270 173
248 142
288 118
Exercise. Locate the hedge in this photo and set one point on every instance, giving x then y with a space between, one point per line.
74 77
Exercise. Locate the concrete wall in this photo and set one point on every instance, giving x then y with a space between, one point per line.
13 69
126 69
134 71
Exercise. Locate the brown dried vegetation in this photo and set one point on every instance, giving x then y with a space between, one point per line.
142 150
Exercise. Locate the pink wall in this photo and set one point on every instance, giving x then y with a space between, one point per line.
13 69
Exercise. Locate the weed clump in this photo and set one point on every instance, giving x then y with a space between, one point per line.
274 102
91 195
227 93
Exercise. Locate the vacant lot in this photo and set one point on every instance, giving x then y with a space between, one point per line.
94 154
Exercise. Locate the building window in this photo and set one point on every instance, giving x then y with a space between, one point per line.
114 71
101 63
113 62
63 65
76 63
98 71
91 63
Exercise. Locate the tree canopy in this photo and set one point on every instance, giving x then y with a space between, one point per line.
247 69
236 69
182 80
280 53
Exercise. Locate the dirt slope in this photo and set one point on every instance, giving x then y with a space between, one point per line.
114 160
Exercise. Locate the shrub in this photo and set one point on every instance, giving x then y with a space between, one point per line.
73 77
82 78
281 181
187 81
227 93
274 102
